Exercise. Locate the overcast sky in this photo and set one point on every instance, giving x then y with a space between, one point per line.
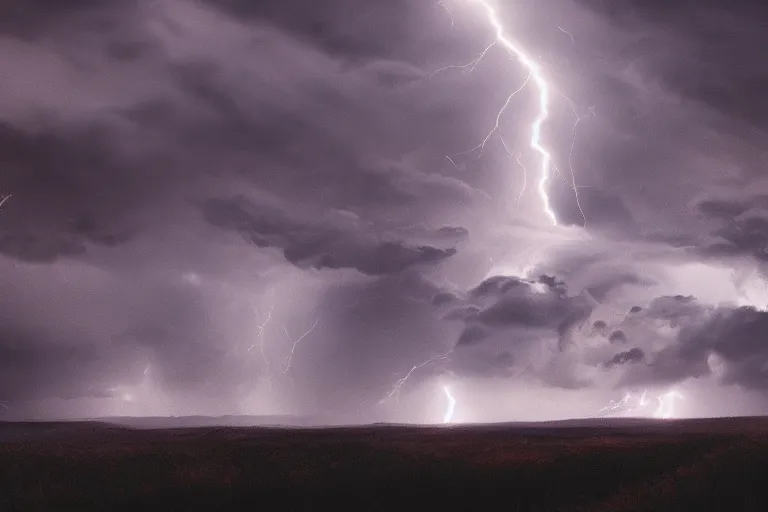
280 207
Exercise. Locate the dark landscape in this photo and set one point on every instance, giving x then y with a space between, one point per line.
595 465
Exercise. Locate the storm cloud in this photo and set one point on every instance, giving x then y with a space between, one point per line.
282 207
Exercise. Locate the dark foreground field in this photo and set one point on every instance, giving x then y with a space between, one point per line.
643 466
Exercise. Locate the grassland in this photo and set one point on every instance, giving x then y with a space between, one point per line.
695 465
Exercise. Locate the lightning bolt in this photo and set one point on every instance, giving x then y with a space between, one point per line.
395 391
261 327
629 403
295 344
643 400
447 9
666 408
617 405
566 33
450 407
537 76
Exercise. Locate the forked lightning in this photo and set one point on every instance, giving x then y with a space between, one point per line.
543 90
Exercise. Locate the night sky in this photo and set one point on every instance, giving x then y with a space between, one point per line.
280 207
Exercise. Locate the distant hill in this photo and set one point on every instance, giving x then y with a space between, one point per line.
156 422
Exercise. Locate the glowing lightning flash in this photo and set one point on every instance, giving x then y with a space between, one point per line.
448 416
395 391
295 344
643 401
447 9
261 327
666 407
535 73
630 404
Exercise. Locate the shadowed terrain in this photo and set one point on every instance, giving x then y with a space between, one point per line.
595 465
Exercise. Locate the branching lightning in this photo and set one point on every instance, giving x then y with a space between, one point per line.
497 124
468 67
666 408
542 86
619 406
296 342
525 171
450 407
535 74
395 391
261 327
631 404
579 119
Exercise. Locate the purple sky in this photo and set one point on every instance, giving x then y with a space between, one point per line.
198 183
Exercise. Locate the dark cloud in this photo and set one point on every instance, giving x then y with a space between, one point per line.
617 337
599 328
607 283
722 209
497 286
39 249
29 366
198 183
747 236
443 298
742 229
29 19
730 334
507 302
479 364
737 336
631 356
473 334
677 310
601 210
317 245
464 314
708 72
453 232
72 190
341 27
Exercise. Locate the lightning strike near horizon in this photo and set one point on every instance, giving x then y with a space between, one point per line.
450 407
666 408
629 404
395 392
296 342
261 327
617 405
